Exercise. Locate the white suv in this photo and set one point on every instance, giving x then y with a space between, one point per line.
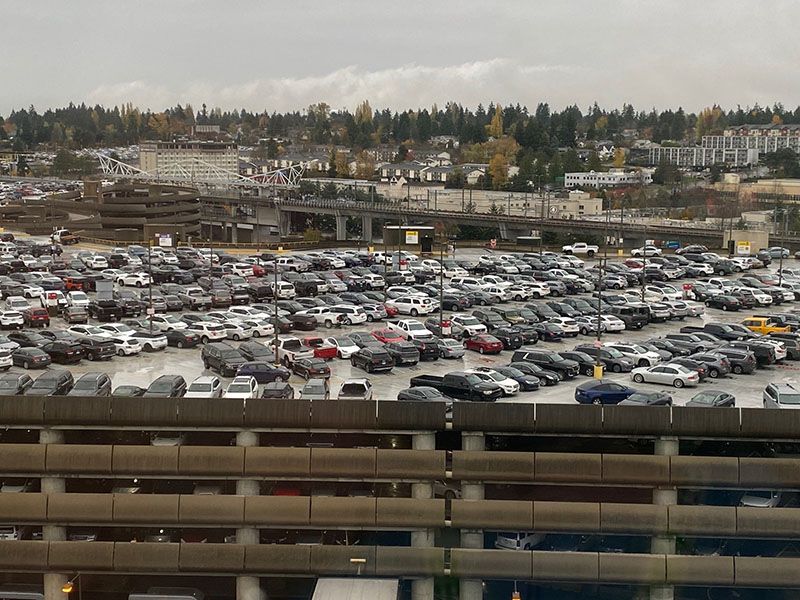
208 332
413 305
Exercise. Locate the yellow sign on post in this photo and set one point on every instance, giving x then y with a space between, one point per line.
372 249
743 248
412 237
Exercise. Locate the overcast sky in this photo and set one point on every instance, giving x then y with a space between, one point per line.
262 54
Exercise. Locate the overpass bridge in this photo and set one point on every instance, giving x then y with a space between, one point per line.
282 212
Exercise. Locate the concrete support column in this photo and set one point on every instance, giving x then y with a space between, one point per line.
282 218
664 496
422 588
472 589
366 228
341 227
247 587
53 533
234 234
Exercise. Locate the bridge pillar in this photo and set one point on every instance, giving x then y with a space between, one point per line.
422 588
503 230
53 533
341 227
283 222
664 495
472 589
247 586
366 228
234 234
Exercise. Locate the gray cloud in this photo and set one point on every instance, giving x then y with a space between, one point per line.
279 56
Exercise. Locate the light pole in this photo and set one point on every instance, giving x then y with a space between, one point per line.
150 283
597 365
275 308
441 279
644 261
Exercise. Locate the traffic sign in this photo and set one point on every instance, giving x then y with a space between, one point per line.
151 311
493 243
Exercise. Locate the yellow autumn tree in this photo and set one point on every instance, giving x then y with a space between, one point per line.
340 161
363 112
498 169
619 158
776 119
159 123
365 165
708 120
496 125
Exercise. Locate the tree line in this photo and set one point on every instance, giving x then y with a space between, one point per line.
80 126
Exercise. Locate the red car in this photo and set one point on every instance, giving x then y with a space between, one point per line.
483 343
259 271
36 317
386 336
634 263
71 284
322 349
391 310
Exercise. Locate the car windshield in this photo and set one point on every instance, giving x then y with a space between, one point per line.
85 384
232 353
472 378
468 321
163 385
237 388
415 326
344 341
705 398
8 384
789 398
495 376
200 387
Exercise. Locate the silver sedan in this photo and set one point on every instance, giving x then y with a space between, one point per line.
675 375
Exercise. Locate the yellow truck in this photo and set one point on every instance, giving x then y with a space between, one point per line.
764 325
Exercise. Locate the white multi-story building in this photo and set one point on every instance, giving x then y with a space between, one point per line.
610 179
162 155
699 156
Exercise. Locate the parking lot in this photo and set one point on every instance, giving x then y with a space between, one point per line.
143 368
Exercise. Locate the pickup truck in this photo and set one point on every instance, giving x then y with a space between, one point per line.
410 329
580 248
290 349
720 330
64 236
765 325
460 385
195 298
105 310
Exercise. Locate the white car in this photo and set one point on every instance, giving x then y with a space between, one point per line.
518 293
612 323
248 312
168 323
135 279
77 298
17 303
695 309
259 328
663 293
118 330
205 386
351 315
469 324
345 347
570 326
126 347
11 319
538 289
521 540
375 281
236 331
31 291
242 387
508 385
674 375
322 315
646 251
453 270
498 292
83 331
112 274
412 305
95 261
640 356
431 265
242 269
208 331
397 291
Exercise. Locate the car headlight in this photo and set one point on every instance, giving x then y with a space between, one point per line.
487 392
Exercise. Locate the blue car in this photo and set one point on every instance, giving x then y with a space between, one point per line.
602 391
264 372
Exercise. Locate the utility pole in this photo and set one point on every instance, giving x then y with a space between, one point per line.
275 308
644 261
603 263
150 285
441 278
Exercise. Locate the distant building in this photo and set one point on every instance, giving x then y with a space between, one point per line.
577 206
610 179
205 130
158 155
698 156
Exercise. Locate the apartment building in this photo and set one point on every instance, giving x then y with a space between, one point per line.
156 155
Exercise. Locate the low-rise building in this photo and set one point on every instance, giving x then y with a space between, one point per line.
610 179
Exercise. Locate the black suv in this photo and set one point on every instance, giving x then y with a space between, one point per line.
105 310
372 359
57 382
92 384
611 358
553 361
167 386
97 348
223 358
403 353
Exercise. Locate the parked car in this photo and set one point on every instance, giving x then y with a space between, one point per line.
92 384
56 382
167 386
309 368
713 398
30 358
602 391
672 374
